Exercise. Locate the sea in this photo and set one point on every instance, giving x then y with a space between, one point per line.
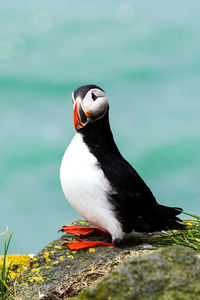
145 55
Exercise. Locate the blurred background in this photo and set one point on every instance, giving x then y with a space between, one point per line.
144 54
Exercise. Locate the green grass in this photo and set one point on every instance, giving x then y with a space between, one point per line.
190 237
187 238
4 269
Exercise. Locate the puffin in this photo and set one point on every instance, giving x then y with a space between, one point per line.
101 185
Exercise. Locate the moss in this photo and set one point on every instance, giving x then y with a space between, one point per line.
171 273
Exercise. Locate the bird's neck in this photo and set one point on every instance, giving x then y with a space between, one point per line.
98 136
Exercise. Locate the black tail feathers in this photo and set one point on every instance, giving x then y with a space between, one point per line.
167 211
155 218
165 218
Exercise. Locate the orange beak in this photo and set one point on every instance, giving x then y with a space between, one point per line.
80 118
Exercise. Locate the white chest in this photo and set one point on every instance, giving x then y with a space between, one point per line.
86 187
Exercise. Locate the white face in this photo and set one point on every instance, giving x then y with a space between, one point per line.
95 102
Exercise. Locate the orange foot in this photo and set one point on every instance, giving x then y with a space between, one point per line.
83 231
78 245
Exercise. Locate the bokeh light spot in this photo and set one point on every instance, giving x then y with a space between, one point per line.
125 14
43 22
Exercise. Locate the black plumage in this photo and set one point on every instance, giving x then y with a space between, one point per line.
82 91
134 204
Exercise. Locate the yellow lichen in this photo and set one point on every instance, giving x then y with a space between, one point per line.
52 252
70 256
36 278
16 263
74 251
16 259
48 267
13 274
35 270
56 262
170 258
91 250
46 256
36 265
57 247
61 258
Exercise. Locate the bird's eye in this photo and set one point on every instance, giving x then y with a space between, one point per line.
94 97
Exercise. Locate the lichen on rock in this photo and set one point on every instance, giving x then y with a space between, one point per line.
17 263
171 273
123 272
55 265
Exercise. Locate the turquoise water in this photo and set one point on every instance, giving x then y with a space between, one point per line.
144 54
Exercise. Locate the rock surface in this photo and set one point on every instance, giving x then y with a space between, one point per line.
172 273
59 273
56 270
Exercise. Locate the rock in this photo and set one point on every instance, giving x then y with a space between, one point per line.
171 273
56 270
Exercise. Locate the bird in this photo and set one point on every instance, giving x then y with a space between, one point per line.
100 184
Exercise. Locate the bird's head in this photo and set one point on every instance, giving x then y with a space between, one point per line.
90 104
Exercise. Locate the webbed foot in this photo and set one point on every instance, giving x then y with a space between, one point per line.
83 231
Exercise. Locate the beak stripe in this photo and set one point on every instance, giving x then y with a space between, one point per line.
80 118
76 123
82 114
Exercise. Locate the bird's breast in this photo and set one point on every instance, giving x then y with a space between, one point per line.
83 182
86 187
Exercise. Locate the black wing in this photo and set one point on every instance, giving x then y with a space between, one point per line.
134 202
